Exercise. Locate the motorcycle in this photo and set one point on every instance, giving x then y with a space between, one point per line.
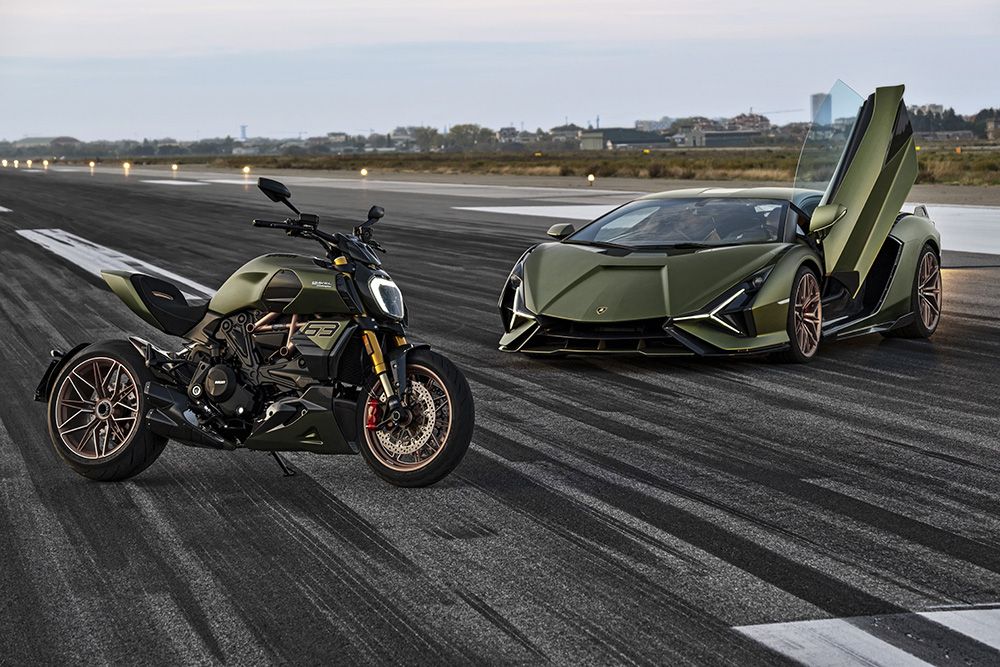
293 353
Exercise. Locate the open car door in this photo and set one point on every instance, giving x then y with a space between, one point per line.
876 167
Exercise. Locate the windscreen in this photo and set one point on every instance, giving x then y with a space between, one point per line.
701 221
833 117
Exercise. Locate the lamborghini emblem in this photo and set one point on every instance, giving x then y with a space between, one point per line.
601 310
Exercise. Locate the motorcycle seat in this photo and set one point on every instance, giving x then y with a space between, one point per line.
167 304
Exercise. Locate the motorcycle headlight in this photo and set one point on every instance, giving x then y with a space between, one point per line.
387 296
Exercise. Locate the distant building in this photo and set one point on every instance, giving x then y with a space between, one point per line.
568 132
244 149
946 135
993 129
722 138
35 142
337 137
749 121
507 135
821 105
654 125
622 138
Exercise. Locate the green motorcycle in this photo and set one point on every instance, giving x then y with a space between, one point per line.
293 353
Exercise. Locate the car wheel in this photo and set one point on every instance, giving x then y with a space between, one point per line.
96 413
925 298
805 319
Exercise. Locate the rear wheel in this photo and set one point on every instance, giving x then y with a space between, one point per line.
437 433
96 413
805 319
925 298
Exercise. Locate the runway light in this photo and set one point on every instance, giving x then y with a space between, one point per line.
917 148
126 166
45 164
174 167
246 171
92 164
4 163
364 172
590 179
28 162
538 153
16 163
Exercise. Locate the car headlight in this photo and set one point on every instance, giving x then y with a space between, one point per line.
387 296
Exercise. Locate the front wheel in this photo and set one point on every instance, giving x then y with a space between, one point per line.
805 319
437 429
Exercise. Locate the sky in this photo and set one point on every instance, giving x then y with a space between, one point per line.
192 69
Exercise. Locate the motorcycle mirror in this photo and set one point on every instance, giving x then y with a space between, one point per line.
376 213
276 191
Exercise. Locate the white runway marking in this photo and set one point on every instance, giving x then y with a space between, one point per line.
70 170
170 182
231 181
983 625
94 258
5 210
963 228
829 642
837 641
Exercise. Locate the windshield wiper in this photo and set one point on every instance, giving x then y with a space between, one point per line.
689 246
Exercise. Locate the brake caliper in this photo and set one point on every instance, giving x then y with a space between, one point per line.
371 414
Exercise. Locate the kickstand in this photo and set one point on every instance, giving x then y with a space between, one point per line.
284 466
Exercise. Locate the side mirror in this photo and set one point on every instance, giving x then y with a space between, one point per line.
824 216
561 231
376 213
275 190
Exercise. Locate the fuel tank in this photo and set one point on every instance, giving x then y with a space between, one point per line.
283 283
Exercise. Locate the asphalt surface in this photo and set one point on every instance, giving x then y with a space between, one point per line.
611 510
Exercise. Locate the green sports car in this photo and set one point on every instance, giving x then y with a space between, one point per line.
719 271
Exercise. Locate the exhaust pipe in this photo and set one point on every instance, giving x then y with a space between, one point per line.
170 416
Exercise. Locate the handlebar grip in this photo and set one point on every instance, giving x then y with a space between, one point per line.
268 223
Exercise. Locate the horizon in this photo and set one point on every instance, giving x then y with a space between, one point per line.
114 71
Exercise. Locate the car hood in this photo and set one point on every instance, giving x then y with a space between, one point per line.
591 284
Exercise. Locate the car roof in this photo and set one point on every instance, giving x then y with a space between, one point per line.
794 195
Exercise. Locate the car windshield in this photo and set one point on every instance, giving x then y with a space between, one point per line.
695 222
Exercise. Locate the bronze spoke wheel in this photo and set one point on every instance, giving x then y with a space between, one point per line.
807 314
429 437
925 299
97 408
929 290
414 445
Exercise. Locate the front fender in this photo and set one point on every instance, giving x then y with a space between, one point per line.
52 372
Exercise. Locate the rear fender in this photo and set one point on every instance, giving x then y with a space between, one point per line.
59 360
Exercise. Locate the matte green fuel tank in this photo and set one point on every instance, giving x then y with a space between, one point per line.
284 283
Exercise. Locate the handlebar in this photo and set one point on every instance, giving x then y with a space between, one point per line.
272 224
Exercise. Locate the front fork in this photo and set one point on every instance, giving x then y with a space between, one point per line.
394 394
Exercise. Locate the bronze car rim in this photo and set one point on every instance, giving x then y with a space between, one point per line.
97 408
929 291
409 447
808 315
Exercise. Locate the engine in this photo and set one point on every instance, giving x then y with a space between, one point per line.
219 385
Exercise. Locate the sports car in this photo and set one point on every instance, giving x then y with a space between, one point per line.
723 271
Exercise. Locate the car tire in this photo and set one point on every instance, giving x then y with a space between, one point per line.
805 319
96 413
925 298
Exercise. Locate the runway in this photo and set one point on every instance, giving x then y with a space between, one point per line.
610 511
